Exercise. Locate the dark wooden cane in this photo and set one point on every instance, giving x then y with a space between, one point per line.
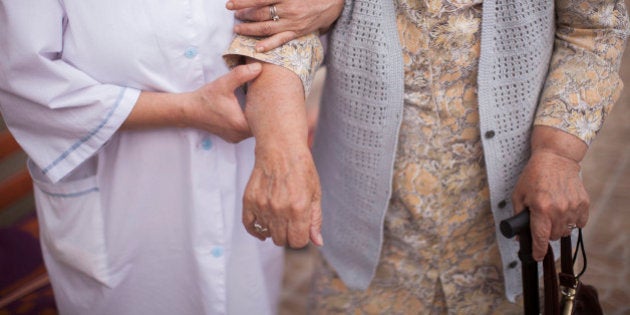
519 225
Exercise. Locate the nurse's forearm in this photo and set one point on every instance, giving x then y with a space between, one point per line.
213 107
156 110
204 109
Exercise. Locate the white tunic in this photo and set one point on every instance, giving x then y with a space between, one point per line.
132 222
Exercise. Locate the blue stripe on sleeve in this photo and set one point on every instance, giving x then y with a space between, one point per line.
81 141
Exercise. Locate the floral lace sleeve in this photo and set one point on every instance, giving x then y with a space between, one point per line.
583 81
302 55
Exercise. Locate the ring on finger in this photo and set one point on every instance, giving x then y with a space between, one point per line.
273 12
571 226
259 228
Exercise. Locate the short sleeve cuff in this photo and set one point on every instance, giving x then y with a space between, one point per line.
302 56
90 143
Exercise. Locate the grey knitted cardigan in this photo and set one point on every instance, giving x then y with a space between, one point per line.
361 112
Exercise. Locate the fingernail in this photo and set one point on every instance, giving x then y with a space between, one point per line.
319 239
254 67
260 49
229 5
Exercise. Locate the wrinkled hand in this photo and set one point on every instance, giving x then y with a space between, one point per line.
284 196
215 108
551 187
297 18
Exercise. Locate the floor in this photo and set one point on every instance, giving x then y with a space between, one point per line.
606 173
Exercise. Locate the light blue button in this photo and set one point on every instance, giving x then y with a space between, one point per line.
190 52
206 143
217 251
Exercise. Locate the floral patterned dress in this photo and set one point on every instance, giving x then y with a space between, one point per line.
439 250
439 254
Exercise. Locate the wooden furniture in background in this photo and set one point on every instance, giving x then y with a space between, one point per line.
17 186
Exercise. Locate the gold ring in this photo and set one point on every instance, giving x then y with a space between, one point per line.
273 12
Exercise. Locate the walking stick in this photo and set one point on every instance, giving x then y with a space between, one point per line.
519 225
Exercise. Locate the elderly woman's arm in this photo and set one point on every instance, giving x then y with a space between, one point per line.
283 193
581 88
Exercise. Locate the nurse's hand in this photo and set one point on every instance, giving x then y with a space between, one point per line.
283 196
215 108
296 19
551 187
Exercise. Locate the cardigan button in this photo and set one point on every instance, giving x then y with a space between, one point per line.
502 204
513 264
489 134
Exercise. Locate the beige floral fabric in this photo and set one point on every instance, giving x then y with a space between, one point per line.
583 82
303 55
440 255
439 252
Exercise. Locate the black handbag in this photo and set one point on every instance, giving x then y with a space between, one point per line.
576 298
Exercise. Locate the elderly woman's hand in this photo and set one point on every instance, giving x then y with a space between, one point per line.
295 19
550 185
283 196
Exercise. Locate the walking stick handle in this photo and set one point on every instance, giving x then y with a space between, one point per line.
519 225
515 225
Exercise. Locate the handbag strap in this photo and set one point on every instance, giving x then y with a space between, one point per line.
566 253
566 278
568 258
550 284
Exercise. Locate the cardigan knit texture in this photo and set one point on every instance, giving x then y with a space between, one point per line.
361 111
